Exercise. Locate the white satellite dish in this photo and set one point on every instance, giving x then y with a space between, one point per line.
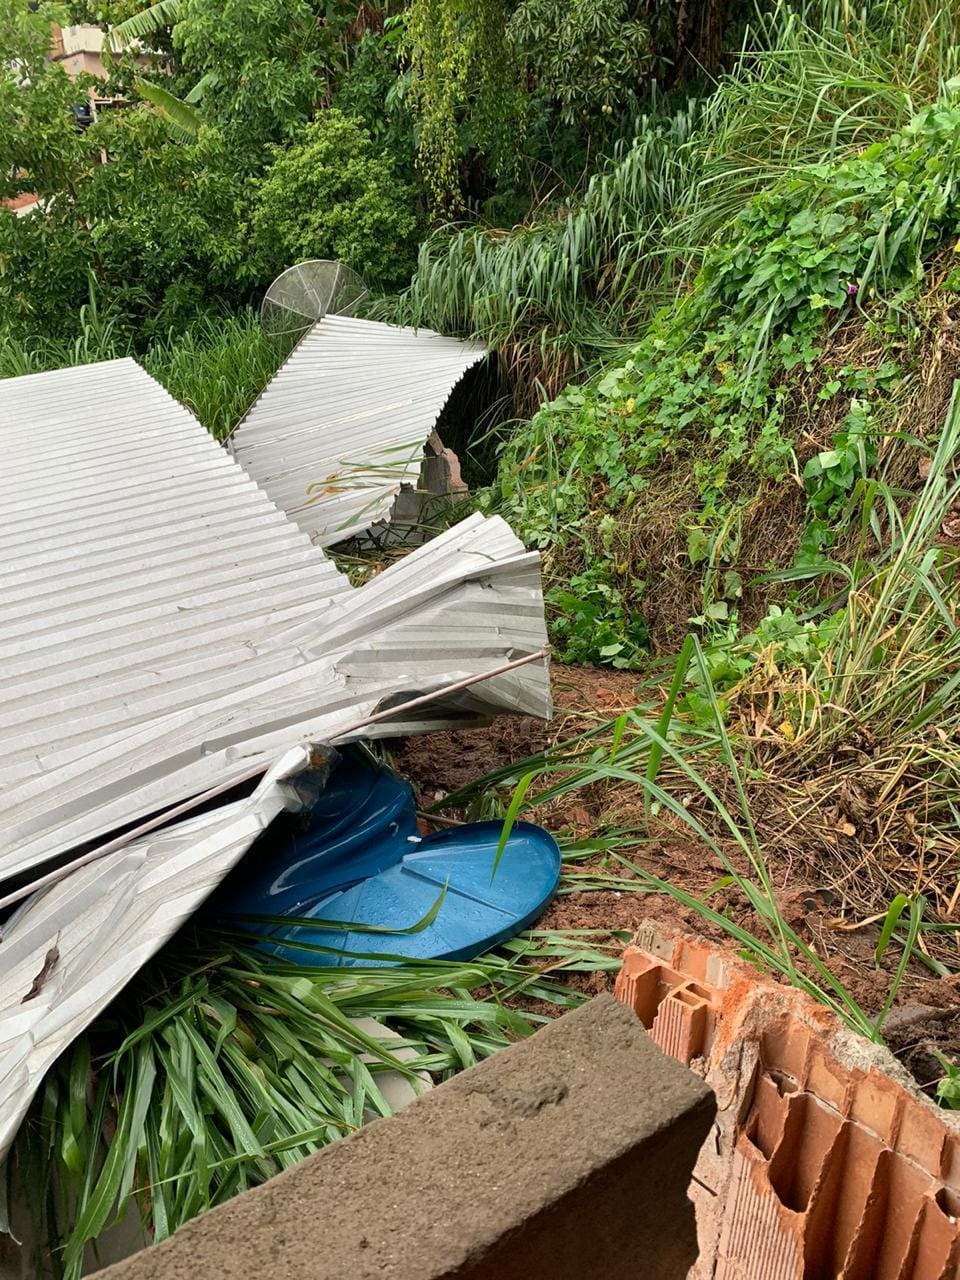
307 292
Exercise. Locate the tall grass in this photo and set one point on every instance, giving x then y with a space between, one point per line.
812 82
551 295
99 336
216 368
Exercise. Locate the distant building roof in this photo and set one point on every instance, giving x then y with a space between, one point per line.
20 204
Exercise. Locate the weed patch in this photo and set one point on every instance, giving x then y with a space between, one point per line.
733 422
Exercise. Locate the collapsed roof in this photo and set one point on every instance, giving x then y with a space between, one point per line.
163 630
342 426
163 626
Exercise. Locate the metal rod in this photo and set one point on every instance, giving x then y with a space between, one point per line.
186 806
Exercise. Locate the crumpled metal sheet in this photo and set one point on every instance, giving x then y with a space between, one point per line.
163 627
343 424
70 949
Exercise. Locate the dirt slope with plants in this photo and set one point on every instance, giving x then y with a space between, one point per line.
832 881
811 361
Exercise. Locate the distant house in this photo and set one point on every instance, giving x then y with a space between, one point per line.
80 50
21 204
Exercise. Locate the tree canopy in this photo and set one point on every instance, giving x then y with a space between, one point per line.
258 132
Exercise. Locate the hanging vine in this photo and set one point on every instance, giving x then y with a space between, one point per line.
464 90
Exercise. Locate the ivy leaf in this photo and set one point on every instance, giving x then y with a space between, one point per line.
609 385
698 545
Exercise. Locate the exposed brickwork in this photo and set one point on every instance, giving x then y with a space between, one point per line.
679 1013
825 1161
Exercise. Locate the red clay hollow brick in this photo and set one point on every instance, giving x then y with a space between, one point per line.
825 1162
679 1013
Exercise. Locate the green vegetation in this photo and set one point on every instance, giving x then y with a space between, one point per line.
331 194
179 210
461 76
748 391
216 1069
216 367
255 133
948 1088
823 743
813 84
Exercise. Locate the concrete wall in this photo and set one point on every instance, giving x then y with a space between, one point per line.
566 1157
80 49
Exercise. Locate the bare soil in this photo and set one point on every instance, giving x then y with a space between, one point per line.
926 1016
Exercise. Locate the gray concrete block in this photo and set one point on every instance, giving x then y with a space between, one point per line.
565 1157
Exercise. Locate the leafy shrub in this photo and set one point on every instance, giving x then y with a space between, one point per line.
97 334
260 65
590 621
372 94
708 391
45 256
333 195
591 57
163 224
45 261
159 227
830 475
166 222
783 640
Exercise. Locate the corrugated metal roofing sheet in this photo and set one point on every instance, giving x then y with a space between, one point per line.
343 424
105 921
163 627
